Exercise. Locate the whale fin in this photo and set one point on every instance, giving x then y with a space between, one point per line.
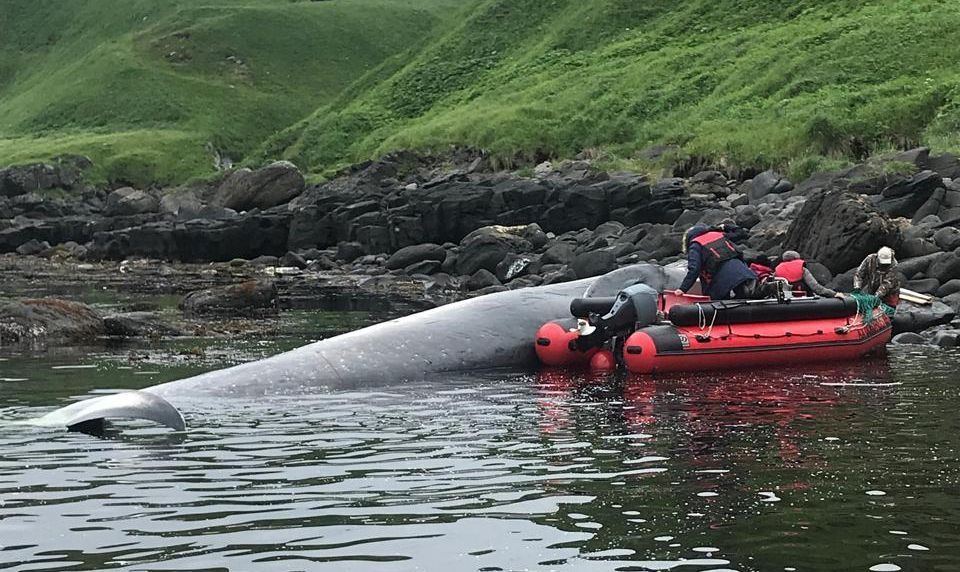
90 413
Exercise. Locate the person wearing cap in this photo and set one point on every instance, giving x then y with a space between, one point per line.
794 270
713 258
877 275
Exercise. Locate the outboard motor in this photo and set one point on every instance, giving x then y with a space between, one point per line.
634 307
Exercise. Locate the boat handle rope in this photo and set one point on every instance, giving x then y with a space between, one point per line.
702 319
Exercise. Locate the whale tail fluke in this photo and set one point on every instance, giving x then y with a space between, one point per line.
89 415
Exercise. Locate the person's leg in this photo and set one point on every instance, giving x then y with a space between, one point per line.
745 290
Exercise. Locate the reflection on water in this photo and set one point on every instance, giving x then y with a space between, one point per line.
844 468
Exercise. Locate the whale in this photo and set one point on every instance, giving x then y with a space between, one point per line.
495 330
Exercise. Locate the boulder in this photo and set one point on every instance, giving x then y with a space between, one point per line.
32 247
923 285
481 279
947 238
915 318
349 251
487 246
47 320
254 297
946 339
768 182
138 324
293 260
945 267
559 253
273 185
839 229
594 263
184 205
949 287
414 254
426 267
516 265
911 338
127 201
906 195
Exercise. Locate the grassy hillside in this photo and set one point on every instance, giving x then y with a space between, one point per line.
793 84
153 90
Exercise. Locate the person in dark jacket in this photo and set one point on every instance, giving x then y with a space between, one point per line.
712 257
877 275
794 270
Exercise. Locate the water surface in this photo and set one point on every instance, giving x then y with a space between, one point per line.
829 468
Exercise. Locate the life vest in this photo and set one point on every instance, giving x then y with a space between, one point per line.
762 271
792 272
717 249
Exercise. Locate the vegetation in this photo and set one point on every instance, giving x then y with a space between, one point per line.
798 85
153 89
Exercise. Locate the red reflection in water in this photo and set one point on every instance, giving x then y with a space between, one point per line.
709 407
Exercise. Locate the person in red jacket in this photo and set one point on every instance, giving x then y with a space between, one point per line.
793 269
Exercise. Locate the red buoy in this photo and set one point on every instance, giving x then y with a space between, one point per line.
553 346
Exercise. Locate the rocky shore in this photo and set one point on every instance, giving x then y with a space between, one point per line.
424 230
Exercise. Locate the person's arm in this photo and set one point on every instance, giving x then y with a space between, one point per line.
888 285
813 286
693 267
860 275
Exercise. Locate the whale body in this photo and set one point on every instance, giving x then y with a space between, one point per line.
491 331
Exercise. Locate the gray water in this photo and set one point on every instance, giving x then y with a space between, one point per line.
852 467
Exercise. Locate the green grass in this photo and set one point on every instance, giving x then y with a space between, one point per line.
150 89
796 85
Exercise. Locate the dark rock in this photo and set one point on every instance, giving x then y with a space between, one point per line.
924 285
913 247
249 298
911 338
272 185
137 324
709 183
949 287
491 290
127 201
914 266
839 229
946 268
47 319
427 267
487 246
416 253
349 251
32 247
769 182
946 339
947 238
293 259
915 318
904 196
265 260
594 263
480 279
946 165
820 272
184 205
843 282
559 253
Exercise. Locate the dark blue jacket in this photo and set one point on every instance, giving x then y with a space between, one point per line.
731 273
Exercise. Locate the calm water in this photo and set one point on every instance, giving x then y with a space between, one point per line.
846 468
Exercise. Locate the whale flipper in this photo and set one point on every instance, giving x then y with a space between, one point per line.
82 415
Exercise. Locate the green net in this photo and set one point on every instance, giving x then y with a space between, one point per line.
867 303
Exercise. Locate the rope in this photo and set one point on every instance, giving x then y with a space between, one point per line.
702 319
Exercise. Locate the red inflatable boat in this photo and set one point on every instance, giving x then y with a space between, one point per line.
691 333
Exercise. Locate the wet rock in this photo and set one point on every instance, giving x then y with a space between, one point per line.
487 246
839 229
47 320
32 247
516 265
127 201
265 260
481 279
910 338
946 339
270 186
594 263
138 324
349 251
254 297
915 318
564 274
294 260
426 267
418 253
